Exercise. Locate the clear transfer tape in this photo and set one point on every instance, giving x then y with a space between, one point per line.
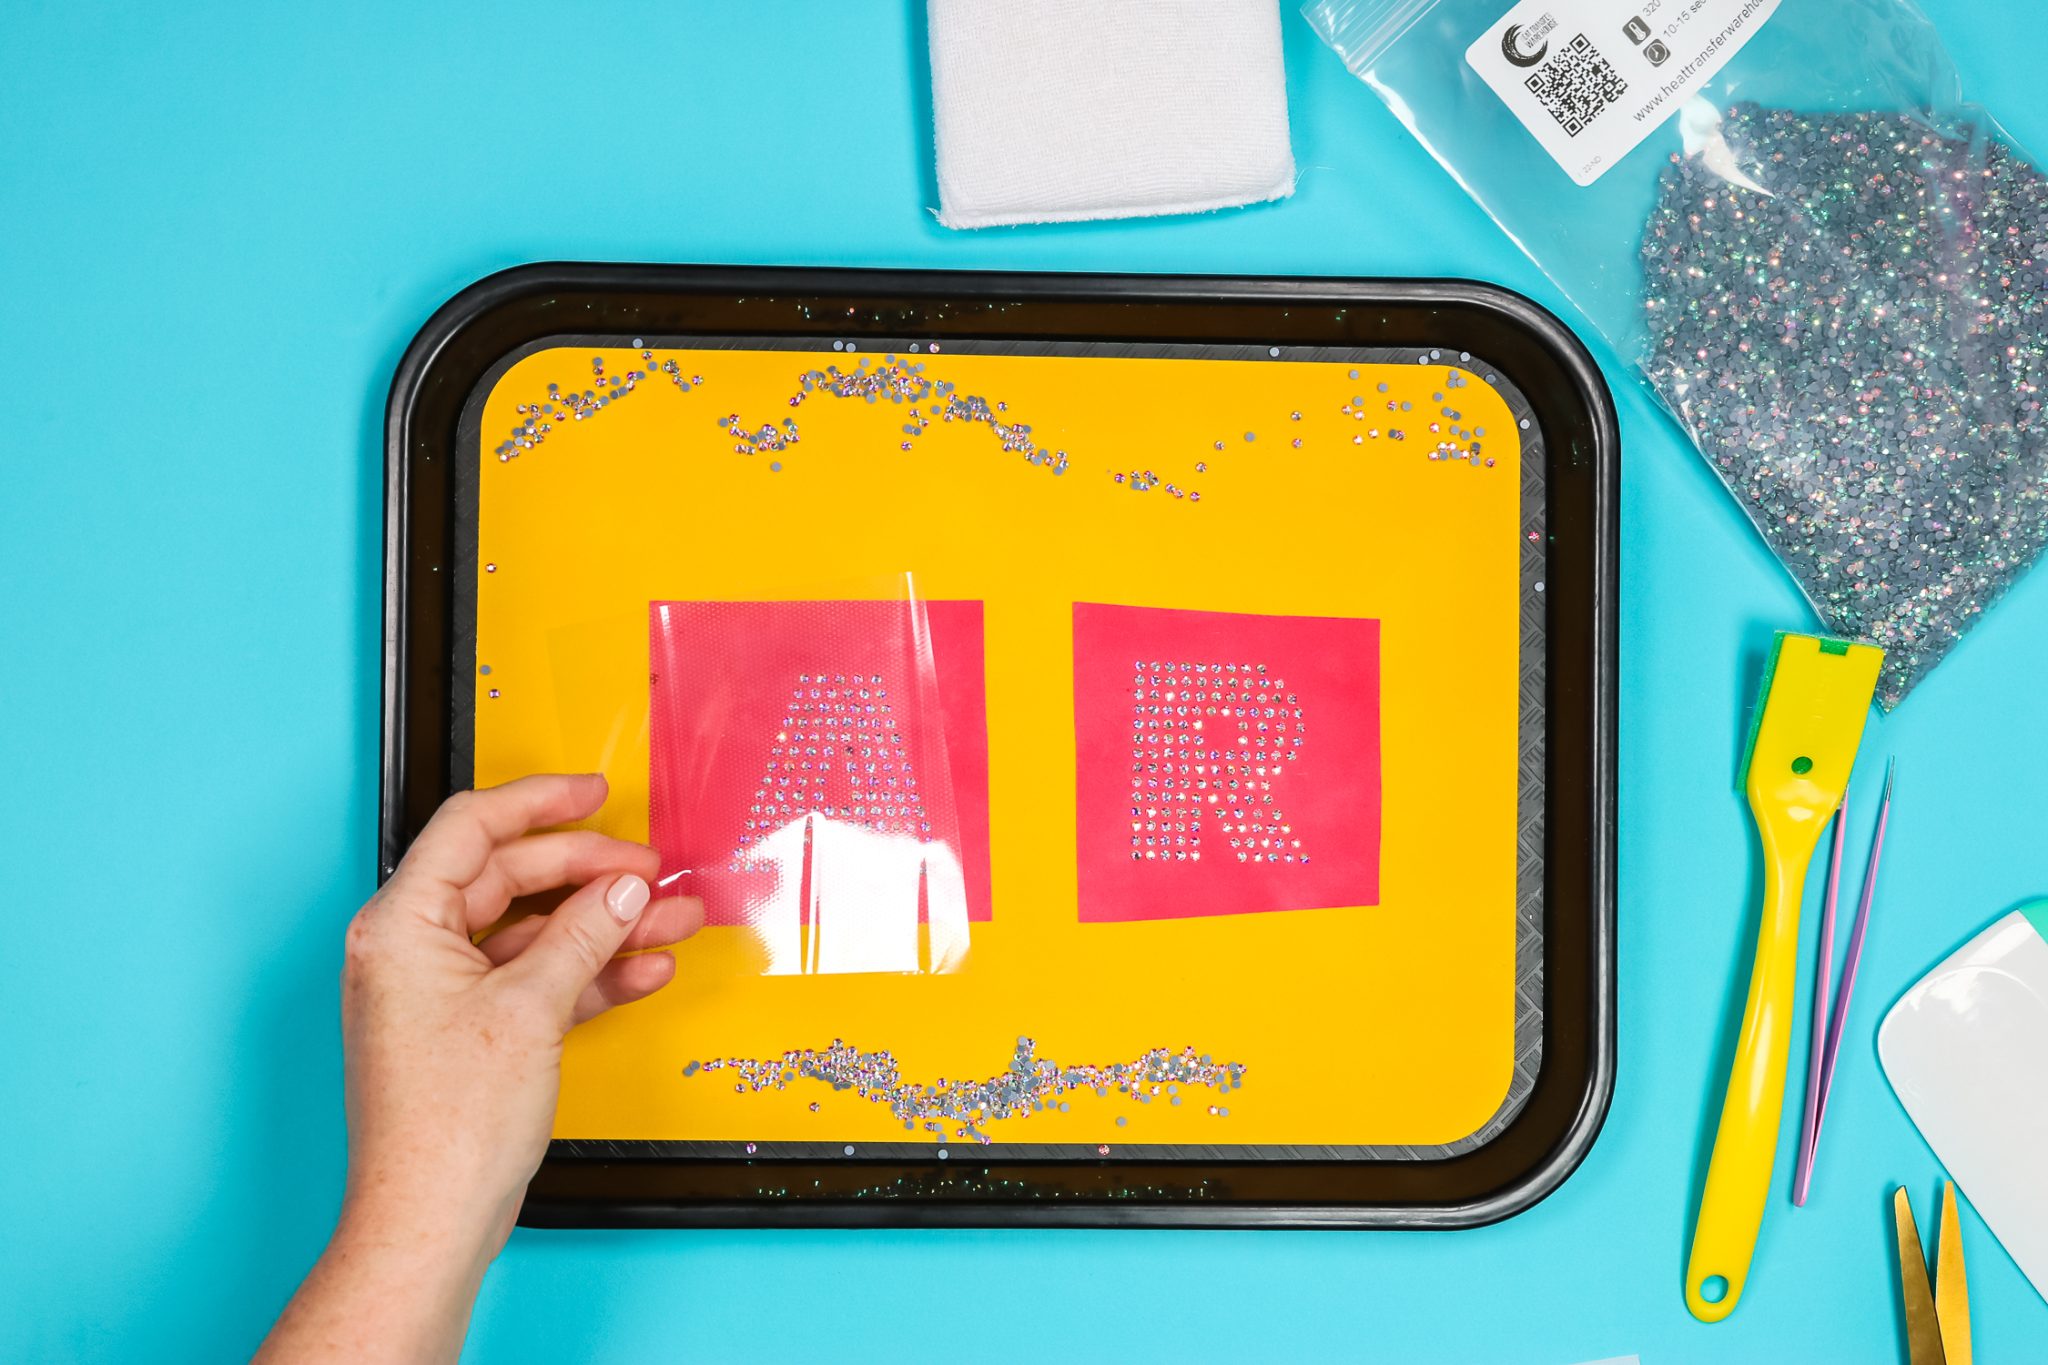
799 779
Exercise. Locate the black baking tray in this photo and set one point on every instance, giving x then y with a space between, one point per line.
426 714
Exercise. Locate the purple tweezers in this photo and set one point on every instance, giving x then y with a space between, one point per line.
1827 1024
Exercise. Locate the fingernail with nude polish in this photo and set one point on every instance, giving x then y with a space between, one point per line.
627 898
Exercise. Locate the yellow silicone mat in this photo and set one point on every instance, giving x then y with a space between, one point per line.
1258 486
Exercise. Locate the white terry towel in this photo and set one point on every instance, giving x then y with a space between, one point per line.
1050 111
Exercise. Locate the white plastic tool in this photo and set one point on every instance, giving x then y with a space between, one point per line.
1967 1051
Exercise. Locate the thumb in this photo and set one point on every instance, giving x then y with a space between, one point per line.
579 938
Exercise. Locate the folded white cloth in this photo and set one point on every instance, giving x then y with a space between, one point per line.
1055 110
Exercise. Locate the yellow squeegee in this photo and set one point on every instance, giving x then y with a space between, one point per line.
1816 695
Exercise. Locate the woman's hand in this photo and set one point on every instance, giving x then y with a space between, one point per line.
454 1050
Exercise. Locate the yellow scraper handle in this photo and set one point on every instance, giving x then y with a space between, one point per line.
1746 1142
1816 695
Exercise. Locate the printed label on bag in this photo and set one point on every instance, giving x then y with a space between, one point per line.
1590 79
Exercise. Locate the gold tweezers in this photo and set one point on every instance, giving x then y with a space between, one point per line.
1937 1317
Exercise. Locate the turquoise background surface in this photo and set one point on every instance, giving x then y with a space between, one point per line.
219 226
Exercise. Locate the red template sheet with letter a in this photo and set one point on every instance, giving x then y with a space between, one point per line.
1227 764
820 775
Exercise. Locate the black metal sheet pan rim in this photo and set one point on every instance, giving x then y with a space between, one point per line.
530 302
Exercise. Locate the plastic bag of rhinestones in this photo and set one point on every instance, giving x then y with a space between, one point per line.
1826 265
800 780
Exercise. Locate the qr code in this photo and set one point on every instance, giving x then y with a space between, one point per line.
1575 85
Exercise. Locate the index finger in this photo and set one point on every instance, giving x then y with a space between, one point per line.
458 841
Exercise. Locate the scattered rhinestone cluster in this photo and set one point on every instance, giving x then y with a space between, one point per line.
904 383
962 1109
1450 439
1207 742
985 1183
840 755
1849 313
768 436
537 419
